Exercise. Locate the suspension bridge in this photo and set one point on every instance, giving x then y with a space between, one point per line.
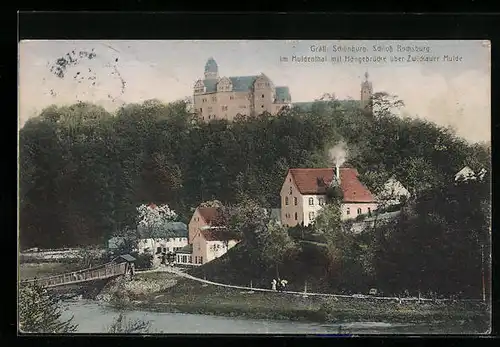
105 271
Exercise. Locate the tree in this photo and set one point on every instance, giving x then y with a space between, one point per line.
41 313
152 220
277 245
328 223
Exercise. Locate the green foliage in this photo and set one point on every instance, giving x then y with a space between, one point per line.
144 261
84 171
277 245
41 313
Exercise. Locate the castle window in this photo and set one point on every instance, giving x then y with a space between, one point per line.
311 201
359 210
295 201
321 202
296 217
348 211
311 215
286 200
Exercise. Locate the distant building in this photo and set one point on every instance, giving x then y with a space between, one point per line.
202 217
364 102
465 174
303 194
225 97
370 222
175 237
210 243
393 192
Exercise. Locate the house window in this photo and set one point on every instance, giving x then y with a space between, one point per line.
369 211
311 201
290 190
359 210
231 98
296 216
158 250
201 259
295 201
201 110
262 95
204 100
214 98
348 211
164 249
286 200
321 202
289 180
190 259
224 108
311 215
210 109
262 106
184 258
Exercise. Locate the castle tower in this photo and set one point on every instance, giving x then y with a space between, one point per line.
366 93
211 69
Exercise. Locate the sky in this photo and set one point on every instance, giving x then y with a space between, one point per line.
111 73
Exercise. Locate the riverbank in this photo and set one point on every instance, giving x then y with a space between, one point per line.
167 292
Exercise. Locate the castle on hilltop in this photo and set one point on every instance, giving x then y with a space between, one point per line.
217 97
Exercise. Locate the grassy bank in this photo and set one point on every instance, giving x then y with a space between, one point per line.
189 296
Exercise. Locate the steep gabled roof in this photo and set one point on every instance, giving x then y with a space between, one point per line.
218 234
315 181
209 214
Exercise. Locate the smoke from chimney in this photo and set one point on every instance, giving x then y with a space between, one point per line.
338 156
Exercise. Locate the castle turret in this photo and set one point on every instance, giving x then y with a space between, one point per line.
366 93
211 69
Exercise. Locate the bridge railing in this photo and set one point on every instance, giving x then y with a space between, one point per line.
102 271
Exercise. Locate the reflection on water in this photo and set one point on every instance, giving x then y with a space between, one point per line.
95 318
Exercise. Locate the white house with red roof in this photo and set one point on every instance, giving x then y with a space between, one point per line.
210 243
303 194
202 217
207 239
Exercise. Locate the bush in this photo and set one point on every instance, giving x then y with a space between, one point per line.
39 312
144 261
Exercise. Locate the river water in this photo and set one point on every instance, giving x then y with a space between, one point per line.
93 317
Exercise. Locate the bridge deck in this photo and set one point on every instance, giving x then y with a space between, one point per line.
99 272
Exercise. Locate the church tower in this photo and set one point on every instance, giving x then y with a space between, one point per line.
366 93
211 69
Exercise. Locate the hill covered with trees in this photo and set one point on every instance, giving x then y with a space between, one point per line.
83 170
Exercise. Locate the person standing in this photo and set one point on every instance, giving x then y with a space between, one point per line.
273 284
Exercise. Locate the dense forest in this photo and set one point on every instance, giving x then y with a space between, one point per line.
84 170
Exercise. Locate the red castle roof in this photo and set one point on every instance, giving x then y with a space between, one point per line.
315 181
